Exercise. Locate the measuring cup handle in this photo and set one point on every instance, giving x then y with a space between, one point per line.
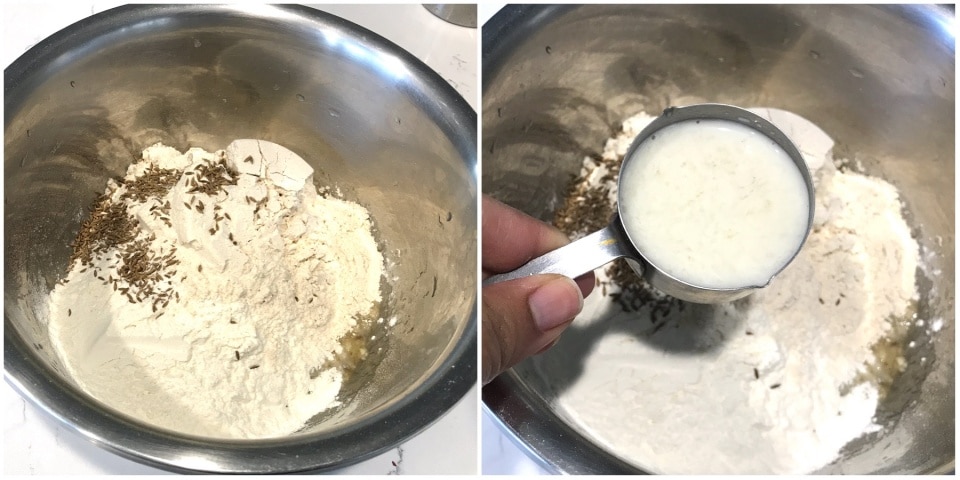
577 258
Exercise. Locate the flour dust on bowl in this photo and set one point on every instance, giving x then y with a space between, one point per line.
237 240
844 363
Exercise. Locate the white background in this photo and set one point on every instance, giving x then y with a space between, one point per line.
36 444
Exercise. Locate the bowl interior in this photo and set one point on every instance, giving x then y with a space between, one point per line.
371 120
559 80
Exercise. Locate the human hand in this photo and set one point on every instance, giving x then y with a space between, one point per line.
525 316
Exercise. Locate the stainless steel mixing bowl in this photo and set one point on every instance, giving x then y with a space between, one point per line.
557 80
368 116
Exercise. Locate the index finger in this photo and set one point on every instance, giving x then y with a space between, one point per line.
511 238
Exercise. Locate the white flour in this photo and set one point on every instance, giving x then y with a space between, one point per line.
244 339
770 383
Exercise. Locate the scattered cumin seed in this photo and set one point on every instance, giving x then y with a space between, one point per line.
254 367
237 353
213 177
69 312
155 182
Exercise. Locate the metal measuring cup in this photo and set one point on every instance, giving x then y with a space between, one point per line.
612 242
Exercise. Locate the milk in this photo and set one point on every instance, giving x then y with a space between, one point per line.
714 203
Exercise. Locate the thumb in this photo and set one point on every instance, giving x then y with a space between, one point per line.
522 317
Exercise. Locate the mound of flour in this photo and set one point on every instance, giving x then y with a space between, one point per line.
209 292
774 383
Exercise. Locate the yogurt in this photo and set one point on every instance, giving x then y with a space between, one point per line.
714 203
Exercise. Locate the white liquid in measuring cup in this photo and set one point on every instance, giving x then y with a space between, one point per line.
714 203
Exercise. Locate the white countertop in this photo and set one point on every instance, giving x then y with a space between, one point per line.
37 444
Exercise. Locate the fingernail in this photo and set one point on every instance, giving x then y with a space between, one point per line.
555 303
